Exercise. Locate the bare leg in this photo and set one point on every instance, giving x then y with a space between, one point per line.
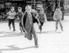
61 25
41 27
13 24
9 24
35 37
21 29
56 25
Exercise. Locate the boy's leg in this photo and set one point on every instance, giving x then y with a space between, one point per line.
20 27
40 27
13 24
56 25
9 23
61 25
35 37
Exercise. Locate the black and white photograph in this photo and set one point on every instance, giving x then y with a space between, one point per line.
34 26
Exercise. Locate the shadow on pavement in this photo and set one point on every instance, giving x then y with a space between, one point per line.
0 51
13 34
13 48
48 32
3 32
10 34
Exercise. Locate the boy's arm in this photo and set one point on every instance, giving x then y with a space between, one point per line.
37 17
60 14
22 21
54 16
5 16
45 17
16 14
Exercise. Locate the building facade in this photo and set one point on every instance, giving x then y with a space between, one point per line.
48 5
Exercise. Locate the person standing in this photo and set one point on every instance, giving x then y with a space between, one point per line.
57 17
42 18
11 18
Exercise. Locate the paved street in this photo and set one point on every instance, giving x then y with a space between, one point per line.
49 41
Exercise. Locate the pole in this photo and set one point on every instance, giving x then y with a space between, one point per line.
31 2
34 3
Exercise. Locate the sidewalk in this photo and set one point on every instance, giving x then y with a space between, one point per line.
49 41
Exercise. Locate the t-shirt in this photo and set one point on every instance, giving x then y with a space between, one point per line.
11 15
20 14
42 17
57 15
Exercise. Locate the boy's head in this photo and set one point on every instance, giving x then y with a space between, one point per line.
12 8
58 8
41 10
28 8
19 9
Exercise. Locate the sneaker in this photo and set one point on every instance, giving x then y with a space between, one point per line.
56 30
9 28
21 31
62 29
14 30
40 31
36 46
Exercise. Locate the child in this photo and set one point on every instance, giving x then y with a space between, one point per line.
11 18
28 25
20 15
42 18
58 17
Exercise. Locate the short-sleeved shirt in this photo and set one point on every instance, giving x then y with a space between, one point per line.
57 15
20 14
41 17
11 15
